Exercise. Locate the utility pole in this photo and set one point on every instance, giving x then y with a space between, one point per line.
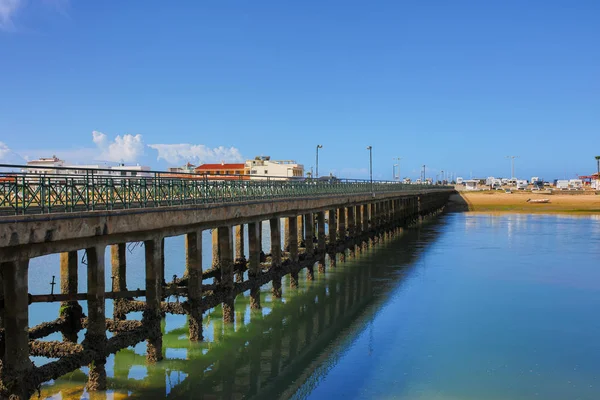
512 165
370 148
397 165
423 180
319 146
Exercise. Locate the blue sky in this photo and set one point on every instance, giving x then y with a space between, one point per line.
454 85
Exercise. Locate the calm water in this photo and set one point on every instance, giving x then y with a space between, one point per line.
469 307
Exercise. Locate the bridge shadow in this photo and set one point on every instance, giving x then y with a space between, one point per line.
264 356
458 203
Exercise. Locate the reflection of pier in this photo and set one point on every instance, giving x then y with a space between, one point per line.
353 221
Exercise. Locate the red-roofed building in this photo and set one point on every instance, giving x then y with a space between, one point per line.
224 171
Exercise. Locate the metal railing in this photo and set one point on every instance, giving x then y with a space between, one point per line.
80 189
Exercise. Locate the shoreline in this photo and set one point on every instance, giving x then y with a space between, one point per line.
500 202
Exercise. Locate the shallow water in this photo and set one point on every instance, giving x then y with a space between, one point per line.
472 306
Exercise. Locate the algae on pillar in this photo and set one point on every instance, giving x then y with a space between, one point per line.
321 239
240 258
70 311
226 265
309 243
119 283
276 255
152 315
193 257
95 337
292 235
15 363
254 263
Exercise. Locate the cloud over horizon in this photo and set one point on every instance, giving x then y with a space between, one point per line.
181 153
126 148
7 10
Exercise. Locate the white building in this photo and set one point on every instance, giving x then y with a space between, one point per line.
471 184
35 167
263 167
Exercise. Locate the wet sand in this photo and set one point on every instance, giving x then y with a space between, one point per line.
498 201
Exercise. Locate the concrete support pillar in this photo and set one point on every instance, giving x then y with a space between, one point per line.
162 262
333 235
226 265
275 225
300 224
239 243
240 258
15 362
254 263
351 221
342 223
309 230
71 311
215 248
152 315
292 236
193 258
118 263
95 337
321 239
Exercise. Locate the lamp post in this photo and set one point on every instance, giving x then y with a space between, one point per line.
598 174
397 165
319 146
370 148
512 165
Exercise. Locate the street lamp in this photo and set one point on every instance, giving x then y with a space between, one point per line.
598 174
512 165
319 146
396 165
423 181
370 148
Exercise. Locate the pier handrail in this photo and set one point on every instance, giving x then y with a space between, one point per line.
71 189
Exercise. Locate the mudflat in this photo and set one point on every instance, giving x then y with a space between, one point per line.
498 201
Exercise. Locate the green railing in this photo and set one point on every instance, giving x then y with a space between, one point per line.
70 189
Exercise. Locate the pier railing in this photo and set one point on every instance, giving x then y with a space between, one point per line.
84 189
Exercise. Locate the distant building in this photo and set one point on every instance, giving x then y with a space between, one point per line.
263 167
56 166
223 171
42 165
186 169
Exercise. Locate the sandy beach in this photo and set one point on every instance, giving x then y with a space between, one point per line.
499 201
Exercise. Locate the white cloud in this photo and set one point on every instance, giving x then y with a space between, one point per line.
7 10
176 154
126 148
7 156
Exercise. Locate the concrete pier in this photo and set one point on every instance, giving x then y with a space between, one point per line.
226 267
254 249
95 337
193 252
152 316
276 255
353 221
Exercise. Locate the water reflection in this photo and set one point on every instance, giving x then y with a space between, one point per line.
266 354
